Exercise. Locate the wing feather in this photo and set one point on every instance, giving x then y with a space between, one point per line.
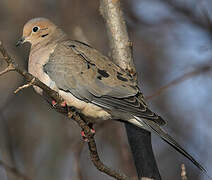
90 76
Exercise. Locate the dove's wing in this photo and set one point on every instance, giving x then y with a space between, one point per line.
77 68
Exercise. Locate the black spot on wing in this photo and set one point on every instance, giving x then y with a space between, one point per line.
103 73
130 75
87 60
88 65
120 74
134 87
121 78
99 77
72 46
82 43
44 68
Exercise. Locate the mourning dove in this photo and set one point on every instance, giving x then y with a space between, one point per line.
88 80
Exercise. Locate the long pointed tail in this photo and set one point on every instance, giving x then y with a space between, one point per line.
166 137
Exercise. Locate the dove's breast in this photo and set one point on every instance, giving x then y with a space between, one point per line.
35 66
36 61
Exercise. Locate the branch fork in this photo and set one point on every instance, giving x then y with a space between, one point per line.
25 86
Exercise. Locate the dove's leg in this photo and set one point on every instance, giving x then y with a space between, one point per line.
63 104
72 110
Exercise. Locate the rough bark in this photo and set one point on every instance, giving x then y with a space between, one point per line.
121 51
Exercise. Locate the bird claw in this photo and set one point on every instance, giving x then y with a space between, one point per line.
54 103
93 131
84 136
62 104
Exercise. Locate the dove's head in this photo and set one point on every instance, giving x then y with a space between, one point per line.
37 30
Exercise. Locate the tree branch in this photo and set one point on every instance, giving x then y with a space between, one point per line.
120 45
183 172
201 69
14 171
190 15
93 150
70 112
121 48
12 66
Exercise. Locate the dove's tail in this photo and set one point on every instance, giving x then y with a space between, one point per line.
160 132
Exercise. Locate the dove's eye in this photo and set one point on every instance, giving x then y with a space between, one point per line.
35 29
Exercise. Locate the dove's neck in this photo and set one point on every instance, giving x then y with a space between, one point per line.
39 55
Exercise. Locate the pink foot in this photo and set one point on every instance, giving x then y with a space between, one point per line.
63 104
93 131
83 136
54 103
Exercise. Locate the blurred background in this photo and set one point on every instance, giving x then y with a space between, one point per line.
172 42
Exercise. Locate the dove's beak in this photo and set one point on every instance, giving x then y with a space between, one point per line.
20 41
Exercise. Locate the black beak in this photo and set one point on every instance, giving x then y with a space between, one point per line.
20 41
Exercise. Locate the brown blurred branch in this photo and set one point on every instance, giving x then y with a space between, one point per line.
77 156
6 144
12 66
120 44
183 172
205 23
79 147
79 34
93 150
13 170
201 69
121 51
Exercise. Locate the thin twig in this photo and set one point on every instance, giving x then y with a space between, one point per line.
93 149
25 86
190 14
13 170
8 69
78 153
28 77
98 127
201 69
183 172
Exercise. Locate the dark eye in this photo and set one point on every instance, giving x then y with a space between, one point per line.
35 29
